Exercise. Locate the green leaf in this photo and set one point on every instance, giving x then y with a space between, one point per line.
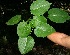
25 44
68 18
57 15
38 20
31 22
14 20
43 30
23 29
39 7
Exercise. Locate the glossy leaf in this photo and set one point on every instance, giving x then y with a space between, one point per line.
25 44
23 29
14 20
43 30
39 7
57 15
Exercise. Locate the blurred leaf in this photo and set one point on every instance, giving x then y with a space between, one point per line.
38 20
25 44
57 15
14 20
39 7
23 29
43 30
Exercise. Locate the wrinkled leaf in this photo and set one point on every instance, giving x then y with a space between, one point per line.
23 29
43 30
25 44
38 20
39 7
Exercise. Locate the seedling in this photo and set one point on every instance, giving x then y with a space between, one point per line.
38 23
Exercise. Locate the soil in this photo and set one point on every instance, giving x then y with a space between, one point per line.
9 37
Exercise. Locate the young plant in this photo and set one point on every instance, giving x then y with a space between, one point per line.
38 23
